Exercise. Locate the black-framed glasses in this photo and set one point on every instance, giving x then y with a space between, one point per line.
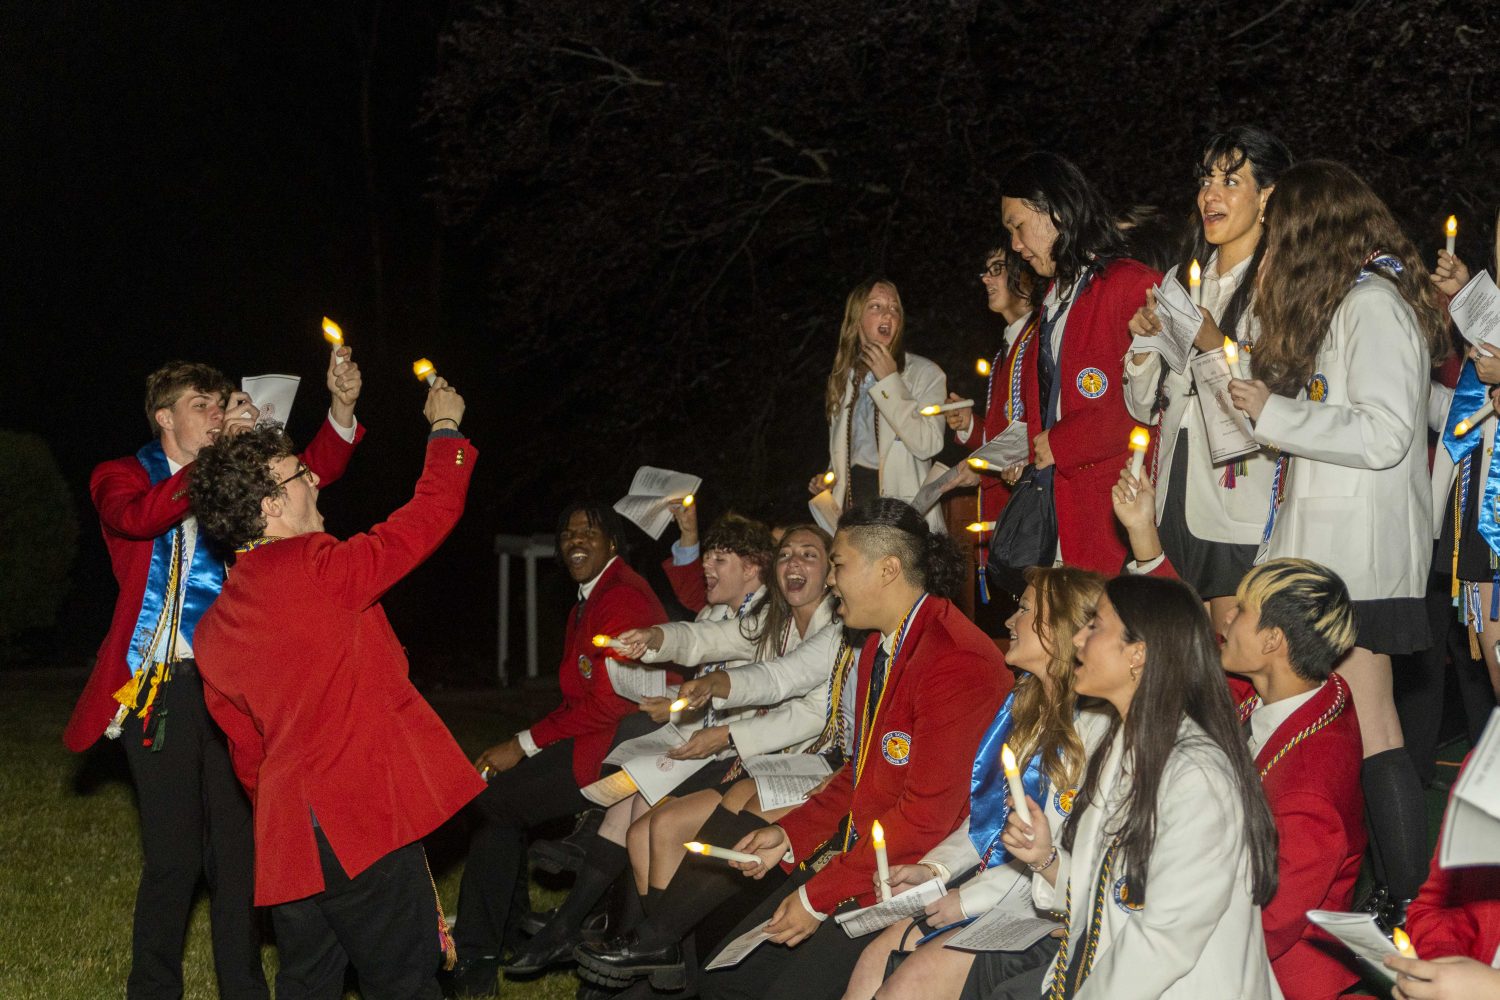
993 270
302 470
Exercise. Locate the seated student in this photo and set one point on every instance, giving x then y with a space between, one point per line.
745 613
929 684
1170 850
1039 723
536 774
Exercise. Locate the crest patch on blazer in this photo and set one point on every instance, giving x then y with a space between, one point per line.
586 667
1317 389
1092 383
1062 800
896 746
1122 897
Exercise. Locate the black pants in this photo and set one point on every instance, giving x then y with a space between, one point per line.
195 821
536 790
817 969
383 922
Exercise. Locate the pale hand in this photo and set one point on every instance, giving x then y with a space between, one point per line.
792 924
1041 448
443 403
958 420
1249 396
816 484
704 743
964 476
1028 840
1145 322
879 360
1210 337
660 709
714 684
1452 978
501 758
769 843
686 516
1486 366
637 640
903 877
240 414
1134 501
1450 275
344 383
945 910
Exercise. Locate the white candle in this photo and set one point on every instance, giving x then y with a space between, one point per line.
830 477
601 640
675 709
334 334
882 862
981 465
1195 283
981 526
710 851
423 369
1232 355
1013 779
1140 440
1468 423
1450 229
957 404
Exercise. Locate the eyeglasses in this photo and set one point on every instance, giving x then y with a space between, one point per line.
302 470
993 270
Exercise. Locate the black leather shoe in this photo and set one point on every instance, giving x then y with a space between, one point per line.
473 977
541 955
623 959
532 923
566 855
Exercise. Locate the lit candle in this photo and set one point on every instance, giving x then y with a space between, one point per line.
1195 283
1402 942
1450 229
1232 355
957 404
423 369
1013 779
1468 423
882 862
829 478
1140 440
334 334
980 464
689 500
982 366
710 851
675 710
601 640
981 526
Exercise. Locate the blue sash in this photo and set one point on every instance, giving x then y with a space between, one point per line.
988 809
1468 396
205 578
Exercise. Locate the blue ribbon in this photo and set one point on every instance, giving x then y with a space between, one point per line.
1468 396
204 578
988 808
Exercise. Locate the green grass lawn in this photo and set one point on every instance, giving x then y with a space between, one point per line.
70 848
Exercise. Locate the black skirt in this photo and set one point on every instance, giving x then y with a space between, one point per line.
1476 561
1011 975
1393 625
1214 569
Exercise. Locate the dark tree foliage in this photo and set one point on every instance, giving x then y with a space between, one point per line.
671 199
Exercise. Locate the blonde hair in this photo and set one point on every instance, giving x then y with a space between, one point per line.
847 358
1309 603
1065 598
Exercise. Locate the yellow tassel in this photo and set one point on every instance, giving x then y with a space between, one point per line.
131 692
158 676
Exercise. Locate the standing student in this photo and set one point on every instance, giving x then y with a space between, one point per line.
347 766
1063 238
1349 327
195 821
879 445
1170 850
1211 515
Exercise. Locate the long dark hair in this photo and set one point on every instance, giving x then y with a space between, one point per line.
886 526
1181 677
1086 231
1232 149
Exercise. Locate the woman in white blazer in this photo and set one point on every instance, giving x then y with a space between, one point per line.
1170 850
878 442
1038 721
1211 516
1350 327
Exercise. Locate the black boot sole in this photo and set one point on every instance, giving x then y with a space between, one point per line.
669 978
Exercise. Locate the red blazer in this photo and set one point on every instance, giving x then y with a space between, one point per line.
305 676
687 583
941 695
1090 439
590 709
1318 804
1457 912
993 493
132 513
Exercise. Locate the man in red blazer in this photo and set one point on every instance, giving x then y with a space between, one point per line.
929 684
346 765
185 787
535 776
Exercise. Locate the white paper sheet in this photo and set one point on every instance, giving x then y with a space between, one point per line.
668 737
1009 449
1476 310
657 776
650 491
1229 433
737 950
1471 825
858 923
608 790
931 492
1001 929
825 511
1359 933
634 681
272 395
785 779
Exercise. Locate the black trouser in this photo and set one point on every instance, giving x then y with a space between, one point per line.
195 819
536 790
817 969
383 922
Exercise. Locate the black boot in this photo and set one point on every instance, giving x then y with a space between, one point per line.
554 944
566 855
1396 814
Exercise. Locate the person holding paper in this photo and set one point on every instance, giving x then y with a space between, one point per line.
1064 239
536 775
929 684
346 765
185 787
1211 516
1349 330
1039 720
879 444
1170 850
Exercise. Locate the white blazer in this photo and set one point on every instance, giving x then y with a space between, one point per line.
1359 497
908 441
1199 934
1214 513
1443 469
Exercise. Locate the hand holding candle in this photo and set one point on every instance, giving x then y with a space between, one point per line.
1474 419
936 408
1232 356
1450 230
423 369
601 640
1195 283
334 334
675 710
1140 440
710 851
882 861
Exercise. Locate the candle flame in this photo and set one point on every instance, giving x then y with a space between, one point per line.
1402 941
1231 350
695 847
332 332
829 478
689 500
982 366
930 411
422 368
981 526
877 835
1195 274
601 640
1450 228
1008 760
979 463
1140 439
678 705
1462 428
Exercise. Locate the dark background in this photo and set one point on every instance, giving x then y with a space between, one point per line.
624 230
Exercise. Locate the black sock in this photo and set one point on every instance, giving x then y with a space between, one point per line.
700 884
1396 812
603 863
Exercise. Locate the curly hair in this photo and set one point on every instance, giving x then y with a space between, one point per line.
231 478
748 539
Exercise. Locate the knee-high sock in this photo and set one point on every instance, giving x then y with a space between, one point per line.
1397 815
603 863
700 884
